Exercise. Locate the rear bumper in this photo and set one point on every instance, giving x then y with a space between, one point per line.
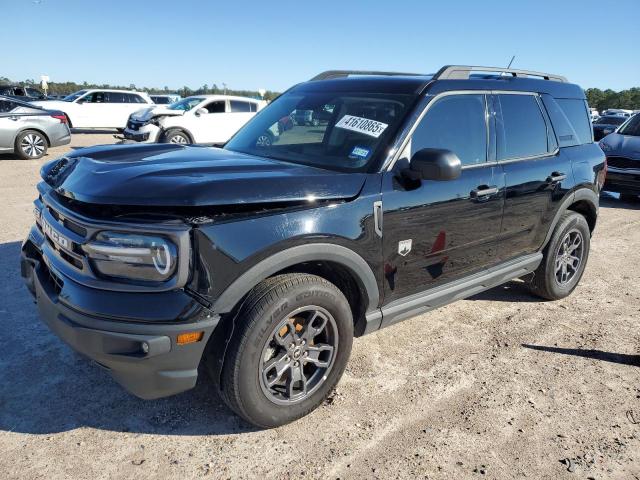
60 136
623 181
160 369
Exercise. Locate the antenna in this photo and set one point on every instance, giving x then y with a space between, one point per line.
512 59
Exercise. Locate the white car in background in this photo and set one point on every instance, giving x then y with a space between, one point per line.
204 119
165 99
99 108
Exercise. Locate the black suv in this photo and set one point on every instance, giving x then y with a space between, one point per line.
262 262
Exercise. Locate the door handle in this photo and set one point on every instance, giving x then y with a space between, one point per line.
484 191
377 218
14 118
556 177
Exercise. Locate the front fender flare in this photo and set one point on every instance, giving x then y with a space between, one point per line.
293 256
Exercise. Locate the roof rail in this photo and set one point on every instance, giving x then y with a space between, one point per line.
331 74
462 72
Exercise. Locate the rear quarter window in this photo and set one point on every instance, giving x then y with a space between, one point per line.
238 106
577 114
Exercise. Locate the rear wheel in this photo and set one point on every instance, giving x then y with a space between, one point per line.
291 345
31 145
176 136
565 258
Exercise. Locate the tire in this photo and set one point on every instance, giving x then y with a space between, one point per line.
627 197
175 135
265 140
260 378
571 240
31 145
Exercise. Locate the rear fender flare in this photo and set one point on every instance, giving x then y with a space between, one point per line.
582 194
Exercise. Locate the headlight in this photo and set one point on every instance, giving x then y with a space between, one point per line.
133 257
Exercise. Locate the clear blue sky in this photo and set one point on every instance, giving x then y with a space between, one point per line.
274 44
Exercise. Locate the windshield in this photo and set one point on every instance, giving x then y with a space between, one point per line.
185 104
611 120
336 130
74 96
632 127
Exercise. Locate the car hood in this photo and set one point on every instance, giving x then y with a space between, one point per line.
176 175
622 145
52 104
147 114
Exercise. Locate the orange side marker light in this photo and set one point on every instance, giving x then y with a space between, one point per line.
189 337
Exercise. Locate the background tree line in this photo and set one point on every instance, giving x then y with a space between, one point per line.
603 99
64 88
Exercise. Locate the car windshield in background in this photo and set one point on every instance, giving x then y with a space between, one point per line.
632 127
335 130
74 96
612 120
185 104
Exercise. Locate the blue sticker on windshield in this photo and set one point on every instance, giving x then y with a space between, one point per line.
360 153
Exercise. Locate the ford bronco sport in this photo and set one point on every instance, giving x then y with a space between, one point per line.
261 262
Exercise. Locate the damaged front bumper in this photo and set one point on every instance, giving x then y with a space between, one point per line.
132 335
148 133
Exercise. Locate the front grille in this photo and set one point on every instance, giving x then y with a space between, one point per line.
74 227
623 162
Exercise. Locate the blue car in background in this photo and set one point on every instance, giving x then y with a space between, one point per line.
622 149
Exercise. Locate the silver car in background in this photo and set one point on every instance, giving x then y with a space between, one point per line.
28 130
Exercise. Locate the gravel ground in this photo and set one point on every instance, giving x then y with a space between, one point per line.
498 386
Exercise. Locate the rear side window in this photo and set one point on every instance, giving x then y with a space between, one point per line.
115 97
133 98
237 106
456 123
522 131
577 114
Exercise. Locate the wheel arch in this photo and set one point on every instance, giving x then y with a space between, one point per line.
181 129
337 264
583 201
31 129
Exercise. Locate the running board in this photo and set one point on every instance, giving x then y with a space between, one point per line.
422 302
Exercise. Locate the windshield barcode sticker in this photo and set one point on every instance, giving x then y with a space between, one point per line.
362 125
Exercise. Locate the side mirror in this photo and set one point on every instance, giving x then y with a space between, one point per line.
435 164
201 111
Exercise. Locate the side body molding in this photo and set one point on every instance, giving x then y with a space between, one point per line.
299 254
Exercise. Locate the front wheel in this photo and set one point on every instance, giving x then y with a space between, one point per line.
176 136
289 349
565 258
31 145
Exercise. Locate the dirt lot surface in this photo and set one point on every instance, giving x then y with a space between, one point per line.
498 386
